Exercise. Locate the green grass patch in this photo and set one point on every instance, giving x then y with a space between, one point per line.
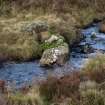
47 45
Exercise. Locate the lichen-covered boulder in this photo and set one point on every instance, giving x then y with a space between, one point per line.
57 55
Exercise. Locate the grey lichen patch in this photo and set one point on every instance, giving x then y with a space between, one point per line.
36 26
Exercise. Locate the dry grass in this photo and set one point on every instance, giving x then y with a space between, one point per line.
95 68
93 97
76 14
67 90
17 46
52 5
30 98
55 90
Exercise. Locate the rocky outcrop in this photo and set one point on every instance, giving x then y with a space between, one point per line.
56 55
56 51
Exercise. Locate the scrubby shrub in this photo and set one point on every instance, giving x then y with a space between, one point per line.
55 89
86 85
17 46
90 94
92 97
30 98
65 26
67 101
95 68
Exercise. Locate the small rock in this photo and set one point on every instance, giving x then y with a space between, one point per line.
87 49
93 35
52 39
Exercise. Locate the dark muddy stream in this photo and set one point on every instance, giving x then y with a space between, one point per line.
24 73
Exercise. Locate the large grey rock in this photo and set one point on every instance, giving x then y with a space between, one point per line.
56 55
